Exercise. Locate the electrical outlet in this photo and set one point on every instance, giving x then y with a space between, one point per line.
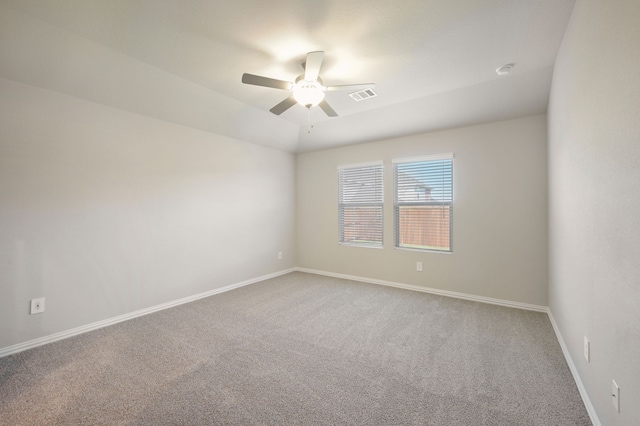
615 395
279 255
587 349
37 306
419 266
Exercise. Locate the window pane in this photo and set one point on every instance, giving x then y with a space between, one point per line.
361 225
361 185
424 181
424 227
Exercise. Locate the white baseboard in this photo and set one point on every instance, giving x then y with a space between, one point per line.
96 325
104 323
465 296
574 371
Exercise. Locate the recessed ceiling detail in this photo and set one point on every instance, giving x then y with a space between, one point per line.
433 62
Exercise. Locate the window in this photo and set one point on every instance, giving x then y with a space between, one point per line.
423 202
360 204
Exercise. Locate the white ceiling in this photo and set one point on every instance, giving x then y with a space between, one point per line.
433 61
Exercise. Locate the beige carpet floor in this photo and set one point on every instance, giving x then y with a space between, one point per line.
302 349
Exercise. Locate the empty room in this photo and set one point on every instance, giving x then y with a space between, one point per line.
294 212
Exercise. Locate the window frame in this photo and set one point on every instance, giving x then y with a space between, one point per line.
447 191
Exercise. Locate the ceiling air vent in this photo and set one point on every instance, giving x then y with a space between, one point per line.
363 94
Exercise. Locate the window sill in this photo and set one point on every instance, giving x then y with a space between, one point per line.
423 250
371 246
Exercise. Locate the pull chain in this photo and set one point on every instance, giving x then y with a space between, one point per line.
309 120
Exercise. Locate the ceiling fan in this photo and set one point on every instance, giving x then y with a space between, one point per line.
308 89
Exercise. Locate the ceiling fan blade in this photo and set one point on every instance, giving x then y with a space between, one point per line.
258 80
283 106
327 109
352 86
312 65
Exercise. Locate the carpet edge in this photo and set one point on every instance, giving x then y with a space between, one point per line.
447 293
19 347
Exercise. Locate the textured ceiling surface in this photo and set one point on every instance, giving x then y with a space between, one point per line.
433 61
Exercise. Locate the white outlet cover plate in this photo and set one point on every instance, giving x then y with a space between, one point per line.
587 349
37 306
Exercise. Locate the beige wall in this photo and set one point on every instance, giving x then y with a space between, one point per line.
105 212
499 219
594 214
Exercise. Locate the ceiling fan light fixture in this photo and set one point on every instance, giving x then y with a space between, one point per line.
308 89
308 93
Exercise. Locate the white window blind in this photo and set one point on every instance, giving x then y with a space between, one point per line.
423 202
360 204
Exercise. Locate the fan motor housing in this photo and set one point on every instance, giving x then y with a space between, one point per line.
301 77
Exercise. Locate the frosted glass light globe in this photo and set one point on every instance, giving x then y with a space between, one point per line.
308 93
